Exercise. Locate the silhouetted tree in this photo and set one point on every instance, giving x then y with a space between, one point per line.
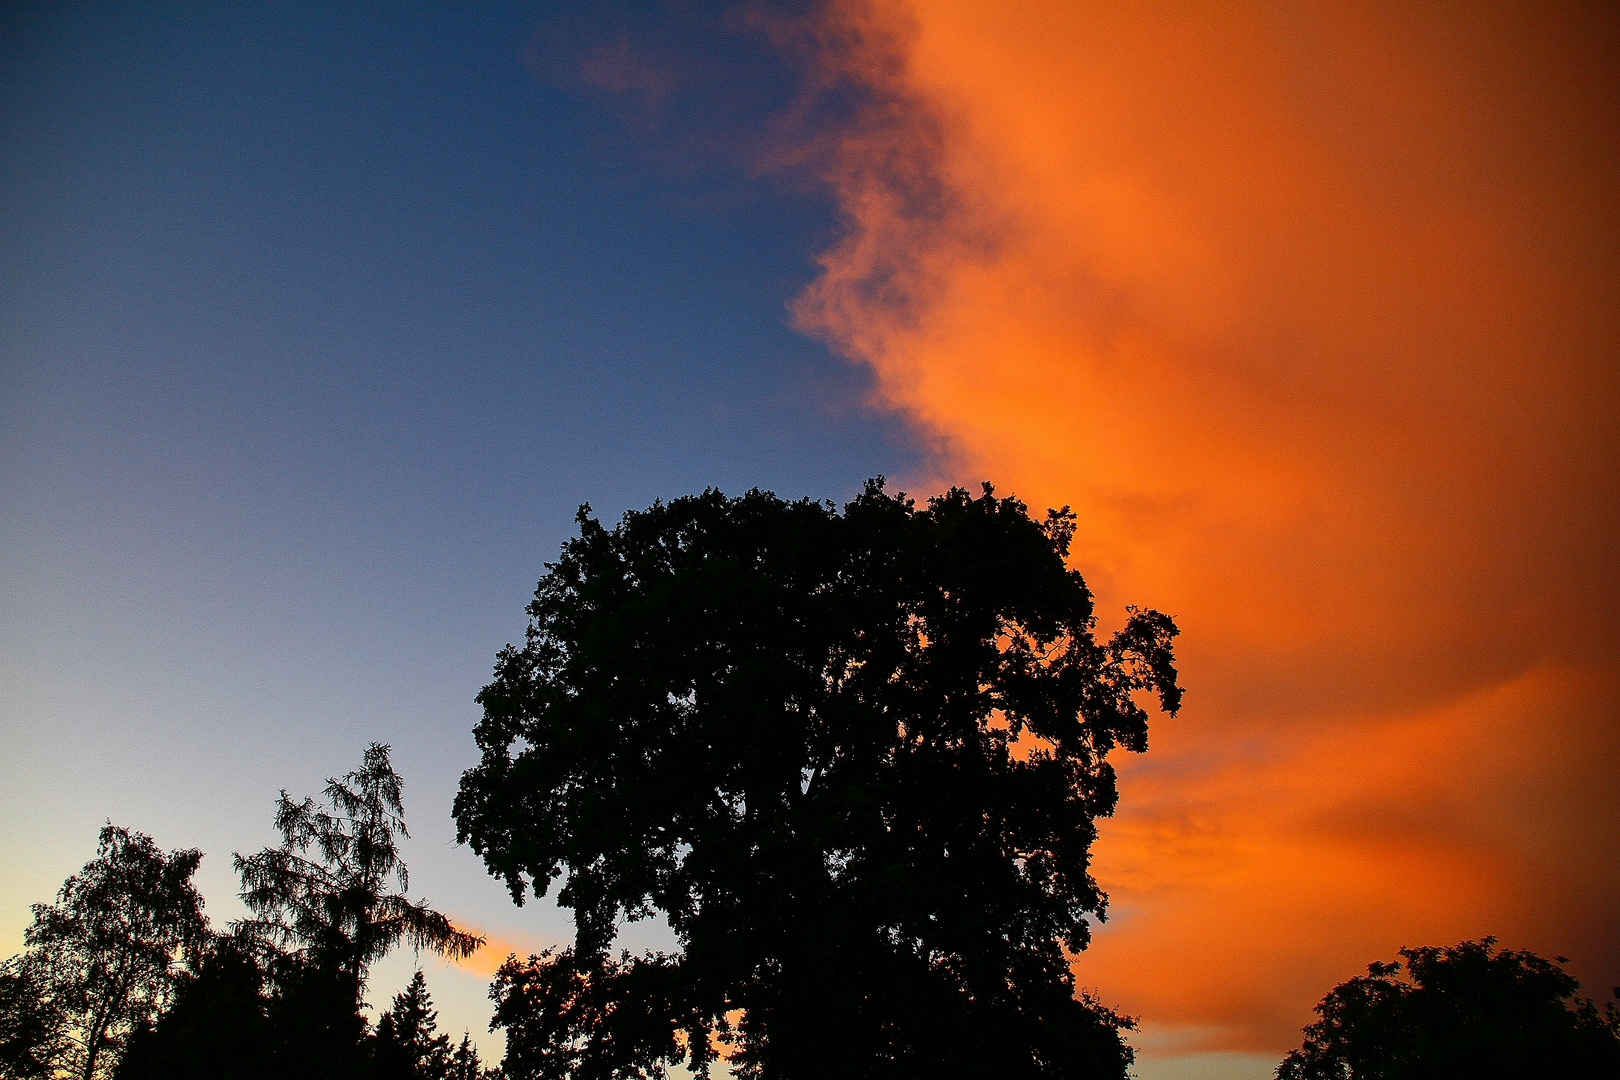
854 759
251 1011
102 959
326 913
122 977
33 1030
316 1029
1467 1011
464 1063
323 895
216 1029
407 1045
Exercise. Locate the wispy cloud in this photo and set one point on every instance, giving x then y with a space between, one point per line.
498 945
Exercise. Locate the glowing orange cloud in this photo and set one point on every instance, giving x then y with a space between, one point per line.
497 947
1310 313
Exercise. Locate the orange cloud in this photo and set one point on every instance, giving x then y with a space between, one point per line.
1309 312
497 947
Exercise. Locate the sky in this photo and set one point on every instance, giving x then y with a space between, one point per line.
317 324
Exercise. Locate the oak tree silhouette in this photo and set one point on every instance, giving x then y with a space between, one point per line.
854 759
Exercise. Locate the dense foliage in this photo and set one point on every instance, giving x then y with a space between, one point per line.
855 760
33 1030
1467 1011
234 1021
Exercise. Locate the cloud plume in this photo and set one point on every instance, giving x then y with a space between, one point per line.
1309 312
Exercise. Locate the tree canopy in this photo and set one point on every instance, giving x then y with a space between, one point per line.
325 891
1470 1010
854 759
280 996
102 960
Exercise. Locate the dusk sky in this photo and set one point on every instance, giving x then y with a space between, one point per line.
318 323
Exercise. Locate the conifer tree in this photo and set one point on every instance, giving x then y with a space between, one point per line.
324 893
407 1045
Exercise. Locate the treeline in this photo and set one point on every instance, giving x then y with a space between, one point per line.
854 760
124 978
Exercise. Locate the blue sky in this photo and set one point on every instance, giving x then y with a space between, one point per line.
316 326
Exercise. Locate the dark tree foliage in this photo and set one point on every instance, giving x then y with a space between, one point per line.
587 1016
33 1029
232 1021
464 1063
281 996
216 1029
325 912
316 1028
407 1045
1469 1011
854 759
246 1014
103 959
324 893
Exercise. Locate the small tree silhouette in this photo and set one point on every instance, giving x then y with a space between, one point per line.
407 1044
464 1063
323 894
1469 1010
101 960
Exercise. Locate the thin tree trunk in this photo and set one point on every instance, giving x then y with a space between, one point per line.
103 1020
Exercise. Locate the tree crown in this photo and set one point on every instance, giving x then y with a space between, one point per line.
325 892
1464 1010
877 736
103 957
